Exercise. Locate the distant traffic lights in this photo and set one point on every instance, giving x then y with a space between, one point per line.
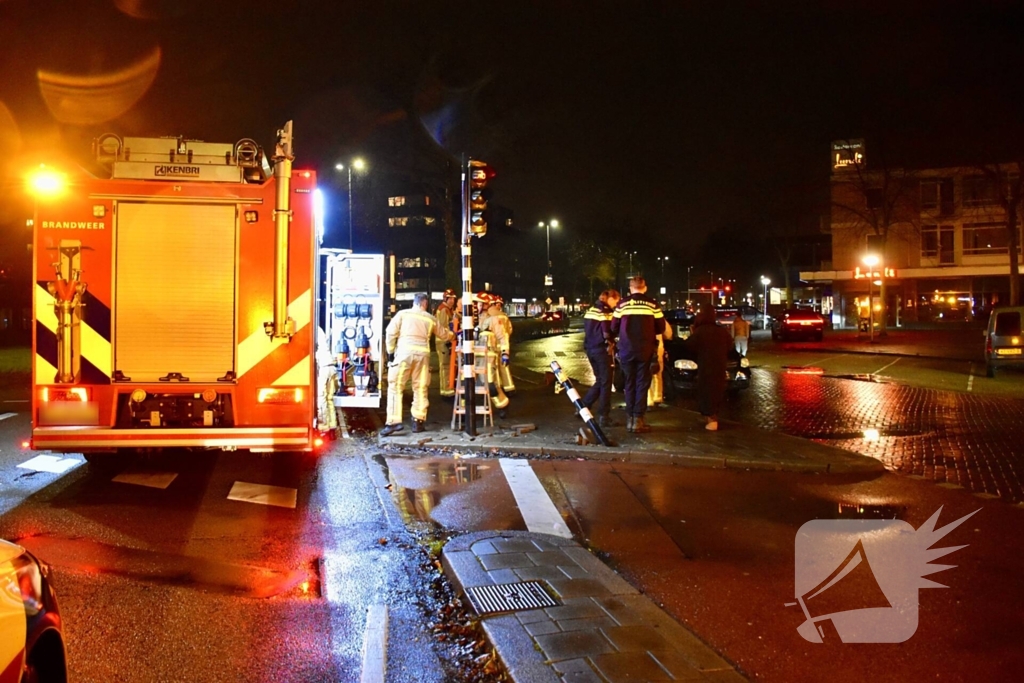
479 175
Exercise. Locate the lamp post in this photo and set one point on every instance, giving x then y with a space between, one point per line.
359 165
871 261
764 319
553 223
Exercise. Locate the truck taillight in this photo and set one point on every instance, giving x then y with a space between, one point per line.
69 394
279 395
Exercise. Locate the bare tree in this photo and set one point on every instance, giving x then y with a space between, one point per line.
1007 185
882 202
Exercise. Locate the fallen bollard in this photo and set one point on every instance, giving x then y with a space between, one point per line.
574 396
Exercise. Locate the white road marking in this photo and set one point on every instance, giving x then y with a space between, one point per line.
263 494
879 371
375 645
970 382
54 464
539 513
4 416
16 400
154 480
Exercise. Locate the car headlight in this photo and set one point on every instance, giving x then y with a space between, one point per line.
744 363
683 364
30 581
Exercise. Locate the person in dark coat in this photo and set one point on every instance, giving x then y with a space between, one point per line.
710 343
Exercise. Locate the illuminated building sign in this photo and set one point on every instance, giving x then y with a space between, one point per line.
847 153
859 274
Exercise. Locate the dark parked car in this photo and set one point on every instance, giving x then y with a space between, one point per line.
681 363
798 323
31 639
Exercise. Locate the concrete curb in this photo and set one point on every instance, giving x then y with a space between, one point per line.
891 354
847 463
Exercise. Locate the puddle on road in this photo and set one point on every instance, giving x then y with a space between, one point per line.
854 510
417 503
91 557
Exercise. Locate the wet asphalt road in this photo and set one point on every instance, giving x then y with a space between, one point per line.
182 584
928 424
716 550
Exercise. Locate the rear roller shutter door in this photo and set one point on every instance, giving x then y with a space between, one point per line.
175 291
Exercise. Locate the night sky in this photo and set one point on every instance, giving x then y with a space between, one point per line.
670 119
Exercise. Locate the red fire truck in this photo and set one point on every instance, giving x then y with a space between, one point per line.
176 300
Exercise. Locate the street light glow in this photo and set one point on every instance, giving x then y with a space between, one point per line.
870 260
358 164
554 222
339 167
45 182
765 281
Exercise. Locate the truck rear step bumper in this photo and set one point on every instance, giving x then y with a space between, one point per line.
66 438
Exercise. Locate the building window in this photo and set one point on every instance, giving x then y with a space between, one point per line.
409 262
426 200
429 220
398 221
937 194
396 201
985 238
937 241
508 222
979 191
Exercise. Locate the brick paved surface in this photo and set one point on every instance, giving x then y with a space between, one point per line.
604 630
950 437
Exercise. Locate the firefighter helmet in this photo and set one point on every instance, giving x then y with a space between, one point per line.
483 297
449 293
496 300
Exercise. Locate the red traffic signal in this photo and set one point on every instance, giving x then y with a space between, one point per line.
479 173
728 288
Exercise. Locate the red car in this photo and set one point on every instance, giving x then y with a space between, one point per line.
798 323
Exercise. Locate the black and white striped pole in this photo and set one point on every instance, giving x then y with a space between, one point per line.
468 321
475 176
574 396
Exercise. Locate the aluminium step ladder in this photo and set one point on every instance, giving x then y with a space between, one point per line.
480 389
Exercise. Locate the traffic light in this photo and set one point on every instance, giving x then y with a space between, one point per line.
479 175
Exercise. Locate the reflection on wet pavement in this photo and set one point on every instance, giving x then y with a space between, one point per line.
452 493
93 557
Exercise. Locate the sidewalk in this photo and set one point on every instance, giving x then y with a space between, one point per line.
541 423
952 344
601 629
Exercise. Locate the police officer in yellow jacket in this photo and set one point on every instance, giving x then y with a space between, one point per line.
637 322
408 345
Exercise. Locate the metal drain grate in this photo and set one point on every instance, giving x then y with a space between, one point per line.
510 597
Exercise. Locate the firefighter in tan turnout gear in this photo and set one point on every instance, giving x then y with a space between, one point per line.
445 315
505 369
407 341
492 332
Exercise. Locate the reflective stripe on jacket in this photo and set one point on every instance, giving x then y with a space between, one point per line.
637 321
410 331
597 327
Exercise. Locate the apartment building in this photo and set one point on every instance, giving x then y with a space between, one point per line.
939 237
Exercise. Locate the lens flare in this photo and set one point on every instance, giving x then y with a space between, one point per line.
86 100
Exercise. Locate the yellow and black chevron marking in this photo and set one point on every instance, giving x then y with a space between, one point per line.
94 332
